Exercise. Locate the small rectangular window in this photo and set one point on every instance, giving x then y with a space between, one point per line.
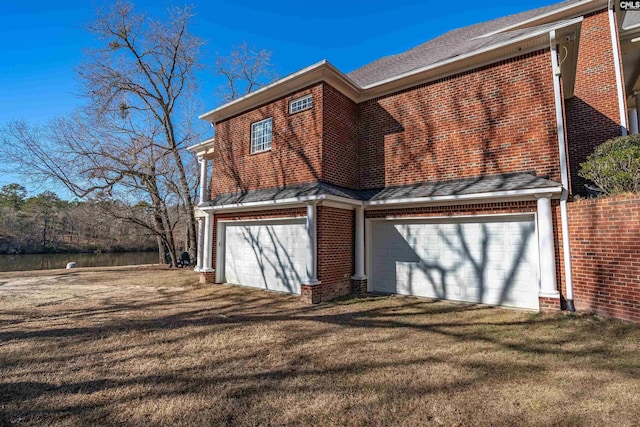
261 135
300 104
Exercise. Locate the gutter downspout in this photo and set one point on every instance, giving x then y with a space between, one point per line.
564 213
616 64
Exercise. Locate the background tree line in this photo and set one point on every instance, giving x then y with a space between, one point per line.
45 223
124 149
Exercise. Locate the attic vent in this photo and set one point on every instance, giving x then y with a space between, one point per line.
299 104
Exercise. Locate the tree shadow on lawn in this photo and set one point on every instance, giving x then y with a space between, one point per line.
229 310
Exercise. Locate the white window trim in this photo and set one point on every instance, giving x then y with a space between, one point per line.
301 100
252 149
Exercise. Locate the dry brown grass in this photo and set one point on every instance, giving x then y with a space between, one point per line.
126 346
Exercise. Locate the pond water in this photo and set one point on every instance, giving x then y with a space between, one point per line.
50 261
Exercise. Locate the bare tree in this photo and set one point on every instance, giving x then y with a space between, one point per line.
145 70
127 144
129 141
245 69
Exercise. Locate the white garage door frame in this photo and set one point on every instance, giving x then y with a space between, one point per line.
529 216
221 233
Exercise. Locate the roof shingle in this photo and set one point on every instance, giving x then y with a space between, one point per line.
449 45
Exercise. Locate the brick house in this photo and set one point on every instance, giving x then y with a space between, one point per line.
444 171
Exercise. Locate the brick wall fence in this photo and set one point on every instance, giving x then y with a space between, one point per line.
605 253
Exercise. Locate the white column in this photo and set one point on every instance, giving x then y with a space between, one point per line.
359 245
312 245
199 264
548 285
633 121
203 179
208 237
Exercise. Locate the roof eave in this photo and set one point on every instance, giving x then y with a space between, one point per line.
512 195
202 148
580 8
475 59
322 71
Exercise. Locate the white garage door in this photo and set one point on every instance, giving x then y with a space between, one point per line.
267 255
491 261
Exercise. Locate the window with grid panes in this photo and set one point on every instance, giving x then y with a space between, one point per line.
300 104
261 135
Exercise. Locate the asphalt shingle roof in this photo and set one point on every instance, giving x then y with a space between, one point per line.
449 45
454 187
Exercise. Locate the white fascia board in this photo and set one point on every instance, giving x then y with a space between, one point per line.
316 73
542 33
280 203
497 195
206 145
553 192
594 5
262 204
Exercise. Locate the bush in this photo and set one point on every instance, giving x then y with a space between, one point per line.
614 166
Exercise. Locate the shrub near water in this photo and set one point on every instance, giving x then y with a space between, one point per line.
614 166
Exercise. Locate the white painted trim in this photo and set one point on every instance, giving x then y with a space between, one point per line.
207 243
203 148
269 203
616 63
543 16
546 247
220 248
359 244
282 203
221 233
564 172
537 237
263 221
465 197
528 194
312 244
368 239
200 254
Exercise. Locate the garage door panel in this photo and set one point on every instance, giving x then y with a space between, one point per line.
493 262
267 256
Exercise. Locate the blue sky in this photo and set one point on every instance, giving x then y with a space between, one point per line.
41 42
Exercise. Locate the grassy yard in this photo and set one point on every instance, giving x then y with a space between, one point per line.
123 346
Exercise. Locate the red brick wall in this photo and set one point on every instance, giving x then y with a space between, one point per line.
593 114
335 251
496 119
335 244
295 155
605 254
340 139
